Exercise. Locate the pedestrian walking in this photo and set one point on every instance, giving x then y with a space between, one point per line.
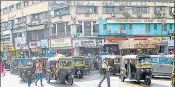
2 66
105 73
39 72
29 79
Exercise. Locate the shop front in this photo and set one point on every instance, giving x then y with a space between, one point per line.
162 43
44 47
61 46
137 46
85 46
111 45
35 49
22 49
171 45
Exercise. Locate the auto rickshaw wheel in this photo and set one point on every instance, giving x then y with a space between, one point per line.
70 81
122 78
148 81
78 76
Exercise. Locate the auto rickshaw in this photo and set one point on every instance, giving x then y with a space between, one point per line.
25 65
117 64
87 65
64 68
14 66
78 66
43 60
111 63
136 67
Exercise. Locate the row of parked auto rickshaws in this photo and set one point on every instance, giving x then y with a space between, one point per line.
139 67
67 67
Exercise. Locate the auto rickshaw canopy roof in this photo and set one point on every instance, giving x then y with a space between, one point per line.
59 57
135 56
37 58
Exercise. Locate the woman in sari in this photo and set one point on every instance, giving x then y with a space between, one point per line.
2 65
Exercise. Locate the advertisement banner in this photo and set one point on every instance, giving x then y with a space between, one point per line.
113 40
21 45
34 44
171 43
44 43
137 44
84 43
61 42
161 41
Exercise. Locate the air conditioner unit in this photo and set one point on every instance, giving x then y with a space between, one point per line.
113 15
87 15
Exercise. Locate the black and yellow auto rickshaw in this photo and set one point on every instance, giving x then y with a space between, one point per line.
117 64
78 66
14 66
25 65
136 67
43 61
87 65
64 67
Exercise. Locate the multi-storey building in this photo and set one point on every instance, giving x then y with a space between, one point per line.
70 26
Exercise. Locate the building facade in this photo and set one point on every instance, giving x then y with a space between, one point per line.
86 22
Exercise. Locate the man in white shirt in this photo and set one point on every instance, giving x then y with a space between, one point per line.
105 73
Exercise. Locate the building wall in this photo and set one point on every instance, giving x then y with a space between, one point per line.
137 29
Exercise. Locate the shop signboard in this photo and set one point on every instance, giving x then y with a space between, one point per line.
84 43
161 41
61 42
9 47
114 20
34 44
113 40
137 44
21 45
44 43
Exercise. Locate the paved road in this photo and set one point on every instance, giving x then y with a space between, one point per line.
90 80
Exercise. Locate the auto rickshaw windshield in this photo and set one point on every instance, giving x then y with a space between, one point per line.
15 62
117 60
144 61
65 63
25 63
78 61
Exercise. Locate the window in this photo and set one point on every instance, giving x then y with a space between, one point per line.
109 9
19 34
171 26
155 26
86 9
130 26
120 10
87 25
95 27
165 27
62 11
12 8
5 10
104 26
79 27
140 10
147 27
122 27
171 11
68 29
158 10
24 19
18 5
15 21
26 3
54 29
35 17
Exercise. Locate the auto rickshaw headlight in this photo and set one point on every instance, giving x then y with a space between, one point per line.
141 70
